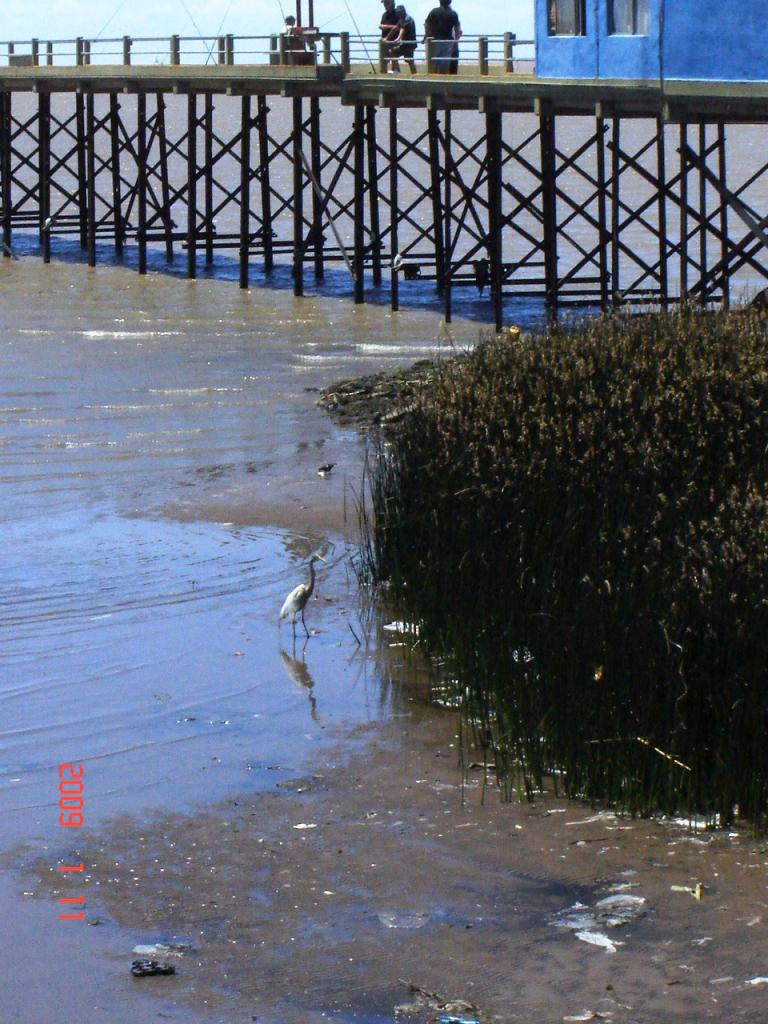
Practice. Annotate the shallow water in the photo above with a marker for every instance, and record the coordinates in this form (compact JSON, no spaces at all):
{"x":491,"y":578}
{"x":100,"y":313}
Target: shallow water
{"x":155,"y":435}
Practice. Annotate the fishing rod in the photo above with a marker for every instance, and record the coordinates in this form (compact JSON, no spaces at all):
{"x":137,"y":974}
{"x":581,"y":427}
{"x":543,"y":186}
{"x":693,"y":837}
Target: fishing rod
{"x":110,"y":19}
{"x":218,"y":30}
{"x":360,"y":35}
{"x":197,"y":29}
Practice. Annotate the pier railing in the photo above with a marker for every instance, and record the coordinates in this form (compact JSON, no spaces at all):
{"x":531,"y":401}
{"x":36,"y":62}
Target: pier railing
{"x":489,"y":53}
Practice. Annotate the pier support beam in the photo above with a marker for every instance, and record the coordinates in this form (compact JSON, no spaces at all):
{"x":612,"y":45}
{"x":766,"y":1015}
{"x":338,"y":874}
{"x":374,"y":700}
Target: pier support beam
{"x":298,"y":199}
{"x":549,"y":205}
{"x":661,"y":177}
{"x":602,"y":214}
{"x":725,"y":279}
{"x":615,"y":210}
{"x":209,"y":226}
{"x":683,"y":173}
{"x":91,"y":178}
{"x":494,"y":246}
{"x":192,"y":184}
{"x":264,"y":181}
{"x":141,"y":179}
{"x":117,"y":198}
{"x":245,"y":188}
{"x":373,"y":193}
{"x":82,"y":180}
{"x":394,"y":206}
{"x":160,"y":134}
{"x":44,"y":172}
{"x":446,"y":226}
{"x":317,"y":173}
{"x":359,"y":203}
{"x":6,"y":197}
{"x":433,"y":128}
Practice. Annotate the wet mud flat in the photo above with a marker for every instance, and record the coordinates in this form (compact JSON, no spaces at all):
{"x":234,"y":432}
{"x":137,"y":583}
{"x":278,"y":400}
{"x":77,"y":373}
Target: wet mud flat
{"x":379,"y":887}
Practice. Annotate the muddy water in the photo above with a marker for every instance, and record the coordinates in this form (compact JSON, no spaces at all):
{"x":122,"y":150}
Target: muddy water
{"x":159,"y":446}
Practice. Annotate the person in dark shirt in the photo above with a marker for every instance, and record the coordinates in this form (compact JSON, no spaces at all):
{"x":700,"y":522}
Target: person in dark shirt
{"x":405,"y":42}
{"x":444,"y":29}
{"x":390,"y":26}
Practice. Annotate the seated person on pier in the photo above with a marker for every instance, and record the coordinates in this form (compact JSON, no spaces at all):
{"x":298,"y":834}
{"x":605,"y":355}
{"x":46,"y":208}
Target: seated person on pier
{"x":296,"y":41}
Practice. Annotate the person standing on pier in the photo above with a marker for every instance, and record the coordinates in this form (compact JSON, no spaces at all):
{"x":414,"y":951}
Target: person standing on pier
{"x":390,"y":27}
{"x":444,"y":29}
{"x":405,"y":41}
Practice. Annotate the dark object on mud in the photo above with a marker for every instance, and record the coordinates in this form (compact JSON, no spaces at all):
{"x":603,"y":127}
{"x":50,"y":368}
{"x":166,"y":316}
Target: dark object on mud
{"x":447,"y":1011}
{"x":325,"y":469}
{"x":381,"y":398}
{"x":147,"y":968}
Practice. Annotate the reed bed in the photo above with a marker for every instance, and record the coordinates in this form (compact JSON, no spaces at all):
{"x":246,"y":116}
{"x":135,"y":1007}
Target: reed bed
{"x":577,"y":521}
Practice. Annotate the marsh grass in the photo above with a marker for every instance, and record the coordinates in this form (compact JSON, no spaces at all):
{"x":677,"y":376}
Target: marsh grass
{"x":577,"y":521}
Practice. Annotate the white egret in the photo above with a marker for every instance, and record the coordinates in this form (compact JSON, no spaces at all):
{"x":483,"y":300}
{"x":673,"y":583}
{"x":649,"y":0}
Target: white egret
{"x":296,"y":601}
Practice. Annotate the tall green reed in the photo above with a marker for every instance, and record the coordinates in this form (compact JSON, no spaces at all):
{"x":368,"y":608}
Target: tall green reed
{"x":577,"y":519}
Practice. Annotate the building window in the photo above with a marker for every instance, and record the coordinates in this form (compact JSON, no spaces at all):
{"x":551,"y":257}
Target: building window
{"x":566,"y":17}
{"x":628,"y":17}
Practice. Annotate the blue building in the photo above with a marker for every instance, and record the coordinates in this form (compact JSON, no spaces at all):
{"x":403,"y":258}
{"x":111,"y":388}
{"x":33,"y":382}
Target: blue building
{"x":652,"y":39}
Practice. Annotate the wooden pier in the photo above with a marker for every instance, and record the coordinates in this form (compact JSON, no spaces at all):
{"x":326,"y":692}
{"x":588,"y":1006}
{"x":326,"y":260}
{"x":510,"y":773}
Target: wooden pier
{"x":585,"y":192}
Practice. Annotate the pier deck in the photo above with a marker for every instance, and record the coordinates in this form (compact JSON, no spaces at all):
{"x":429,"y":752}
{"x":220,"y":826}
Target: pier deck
{"x":469,"y":89}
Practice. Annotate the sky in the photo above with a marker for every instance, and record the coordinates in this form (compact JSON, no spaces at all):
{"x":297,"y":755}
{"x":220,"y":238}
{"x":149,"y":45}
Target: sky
{"x":67,"y":19}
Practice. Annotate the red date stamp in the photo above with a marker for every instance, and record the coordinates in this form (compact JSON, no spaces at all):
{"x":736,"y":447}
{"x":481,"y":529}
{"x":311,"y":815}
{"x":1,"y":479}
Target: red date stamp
{"x":71,"y":786}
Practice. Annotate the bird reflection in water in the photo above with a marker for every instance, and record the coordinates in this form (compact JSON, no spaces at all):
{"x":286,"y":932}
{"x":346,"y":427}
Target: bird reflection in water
{"x":299,"y":674}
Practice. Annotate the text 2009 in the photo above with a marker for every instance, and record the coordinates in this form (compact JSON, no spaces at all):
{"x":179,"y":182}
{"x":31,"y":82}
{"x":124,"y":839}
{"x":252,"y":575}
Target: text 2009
{"x":71,"y":816}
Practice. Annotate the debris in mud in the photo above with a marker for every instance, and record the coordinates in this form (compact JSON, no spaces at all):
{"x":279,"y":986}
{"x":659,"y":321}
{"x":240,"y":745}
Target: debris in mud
{"x":697,"y":891}
{"x":145,"y":968}
{"x":613,"y":911}
{"x":619,"y":909}
{"x":449,"y":1011}
{"x":163,"y":949}
{"x":589,"y":1015}
{"x":408,"y":920}
{"x":598,"y":939}
{"x":401,"y":627}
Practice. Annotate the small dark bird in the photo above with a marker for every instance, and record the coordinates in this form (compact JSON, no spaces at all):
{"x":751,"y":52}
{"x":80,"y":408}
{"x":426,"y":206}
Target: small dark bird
{"x":325,"y":469}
